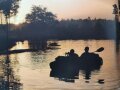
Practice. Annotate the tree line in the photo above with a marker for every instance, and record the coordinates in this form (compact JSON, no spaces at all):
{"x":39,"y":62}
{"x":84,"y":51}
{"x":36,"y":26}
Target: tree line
{"x":43,"y":24}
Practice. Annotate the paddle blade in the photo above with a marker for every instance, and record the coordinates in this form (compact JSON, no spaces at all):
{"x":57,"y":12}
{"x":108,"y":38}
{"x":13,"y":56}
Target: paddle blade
{"x":100,"y":49}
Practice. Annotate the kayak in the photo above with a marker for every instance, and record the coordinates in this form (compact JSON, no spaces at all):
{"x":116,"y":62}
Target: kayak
{"x":68,"y":67}
{"x":64,"y":67}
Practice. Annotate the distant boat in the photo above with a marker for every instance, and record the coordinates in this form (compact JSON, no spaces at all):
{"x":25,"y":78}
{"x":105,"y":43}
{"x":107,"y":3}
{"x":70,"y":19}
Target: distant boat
{"x":54,"y":44}
{"x":101,"y":81}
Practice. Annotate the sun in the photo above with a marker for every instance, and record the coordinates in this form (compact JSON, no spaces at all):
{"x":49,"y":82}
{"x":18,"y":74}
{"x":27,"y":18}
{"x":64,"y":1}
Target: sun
{"x":16,"y":23}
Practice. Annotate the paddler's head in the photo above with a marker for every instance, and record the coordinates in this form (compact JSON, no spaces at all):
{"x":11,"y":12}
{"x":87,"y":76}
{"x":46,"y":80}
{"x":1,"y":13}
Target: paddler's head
{"x":72,"y":51}
{"x":86,"y":49}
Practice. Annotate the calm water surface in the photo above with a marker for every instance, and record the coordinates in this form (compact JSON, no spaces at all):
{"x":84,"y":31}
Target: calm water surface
{"x":32,"y":68}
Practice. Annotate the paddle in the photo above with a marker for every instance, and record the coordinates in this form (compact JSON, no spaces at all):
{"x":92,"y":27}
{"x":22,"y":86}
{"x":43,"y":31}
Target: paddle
{"x":100,"y":49}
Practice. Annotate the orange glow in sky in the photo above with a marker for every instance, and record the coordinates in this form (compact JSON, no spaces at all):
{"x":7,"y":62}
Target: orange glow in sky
{"x":69,"y":8}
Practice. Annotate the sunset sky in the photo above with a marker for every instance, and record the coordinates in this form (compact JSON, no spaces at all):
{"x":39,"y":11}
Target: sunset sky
{"x":65,"y":9}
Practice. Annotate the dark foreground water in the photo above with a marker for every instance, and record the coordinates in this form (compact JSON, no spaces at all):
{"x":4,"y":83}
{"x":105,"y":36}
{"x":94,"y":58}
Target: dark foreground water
{"x":32,"y":69}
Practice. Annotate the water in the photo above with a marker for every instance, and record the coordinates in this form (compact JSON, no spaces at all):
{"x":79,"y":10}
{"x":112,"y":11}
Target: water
{"x":33,"y":71}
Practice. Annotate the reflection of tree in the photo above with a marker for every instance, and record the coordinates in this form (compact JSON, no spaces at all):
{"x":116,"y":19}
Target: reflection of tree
{"x":9,"y":82}
{"x":39,"y":45}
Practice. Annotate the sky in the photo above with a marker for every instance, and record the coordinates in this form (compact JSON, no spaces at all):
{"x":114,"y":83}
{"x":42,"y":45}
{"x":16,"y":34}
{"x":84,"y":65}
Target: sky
{"x":67,"y":9}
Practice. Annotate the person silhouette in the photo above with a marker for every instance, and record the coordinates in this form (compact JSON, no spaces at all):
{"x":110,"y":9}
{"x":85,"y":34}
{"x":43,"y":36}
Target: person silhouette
{"x":90,"y":59}
{"x":86,"y":53}
{"x":85,"y":58}
{"x":72,"y":53}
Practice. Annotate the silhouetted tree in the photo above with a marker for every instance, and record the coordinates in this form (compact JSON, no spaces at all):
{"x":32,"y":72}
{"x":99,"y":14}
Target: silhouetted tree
{"x":40,"y":15}
{"x":9,"y":7}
